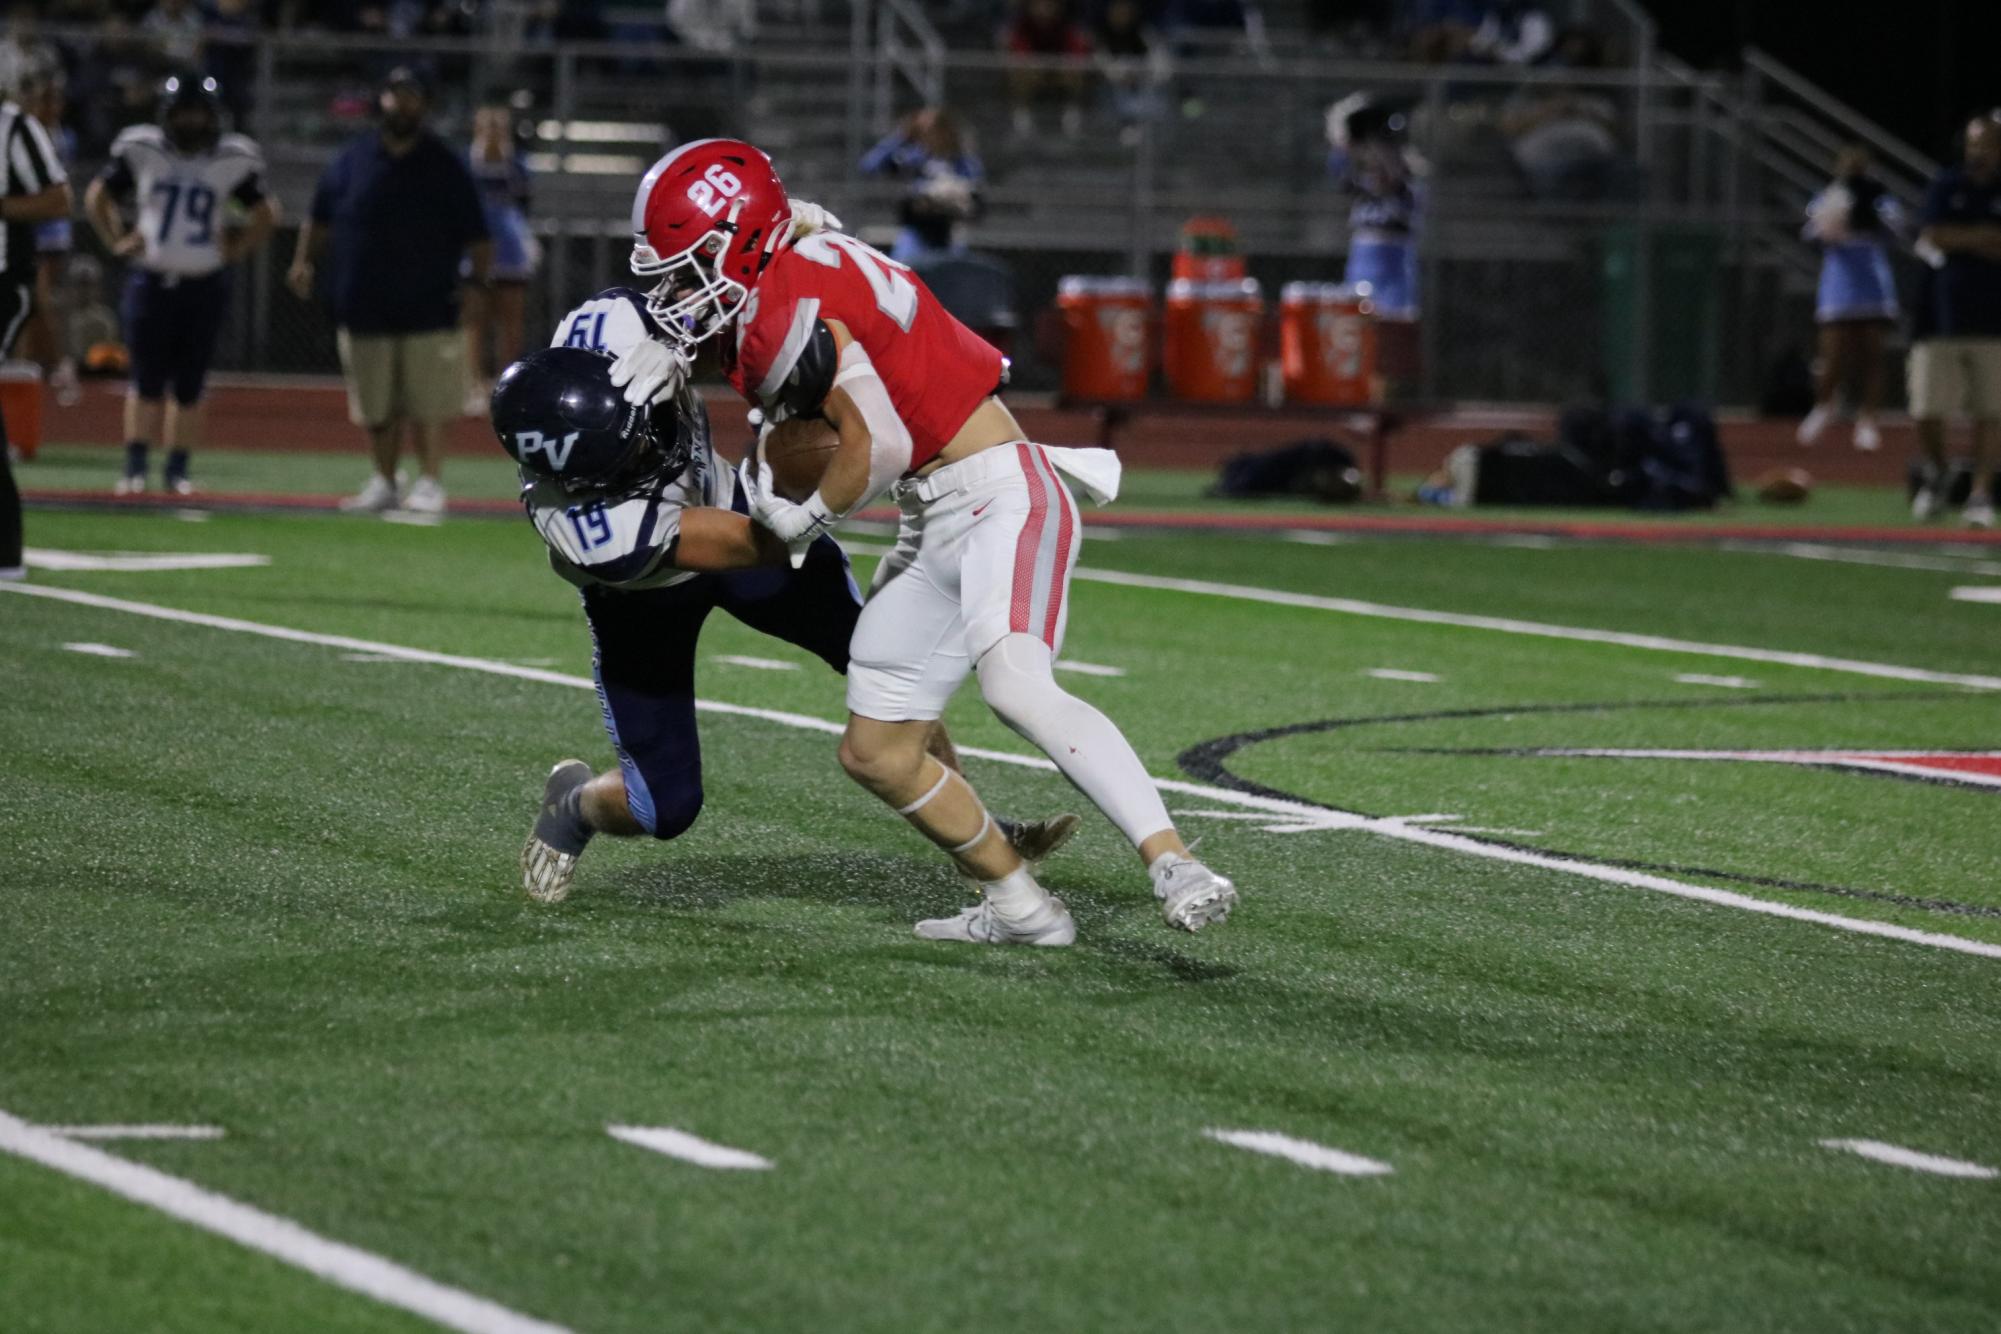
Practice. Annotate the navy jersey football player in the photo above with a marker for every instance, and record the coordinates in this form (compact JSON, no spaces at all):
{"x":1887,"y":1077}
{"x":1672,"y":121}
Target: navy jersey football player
{"x":637,"y":511}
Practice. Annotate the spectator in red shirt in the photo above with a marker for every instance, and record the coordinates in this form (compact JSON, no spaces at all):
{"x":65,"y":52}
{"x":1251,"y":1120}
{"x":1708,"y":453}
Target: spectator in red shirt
{"x":1044,"y":31}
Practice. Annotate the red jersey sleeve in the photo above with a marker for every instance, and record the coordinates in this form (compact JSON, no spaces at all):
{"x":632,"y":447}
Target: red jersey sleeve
{"x":937,"y":371}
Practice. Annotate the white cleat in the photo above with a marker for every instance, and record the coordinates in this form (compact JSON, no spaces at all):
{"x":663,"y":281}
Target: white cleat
{"x":131,"y":484}
{"x":1049,"y":924}
{"x":1867,"y":438}
{"x":1191,"y":895}
{"x":1924,"y":503}
{"x":377,"y":495}
{"x":1979,"y":513}
{"x":1814,"y":424}
{"x":546,"y":871}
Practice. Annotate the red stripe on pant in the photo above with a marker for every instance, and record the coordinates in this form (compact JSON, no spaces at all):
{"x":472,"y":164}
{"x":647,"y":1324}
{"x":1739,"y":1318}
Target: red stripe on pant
{"x":1026,"y":544}
{"x":1066,"y":533}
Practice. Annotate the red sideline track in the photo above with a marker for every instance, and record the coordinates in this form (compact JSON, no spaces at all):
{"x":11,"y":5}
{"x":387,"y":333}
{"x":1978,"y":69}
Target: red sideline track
{"x":1434,"y":525}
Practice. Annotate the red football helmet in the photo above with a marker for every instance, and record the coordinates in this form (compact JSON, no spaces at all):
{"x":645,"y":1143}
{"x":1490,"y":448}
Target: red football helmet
{"x":706,"y":220}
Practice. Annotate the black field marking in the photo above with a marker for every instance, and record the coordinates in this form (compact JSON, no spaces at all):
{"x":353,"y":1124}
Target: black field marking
{"x":1206,"y":761}
{"x":1942,"y":778}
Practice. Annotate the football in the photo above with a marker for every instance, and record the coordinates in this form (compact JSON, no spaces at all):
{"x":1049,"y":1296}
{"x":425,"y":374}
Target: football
{"x":798,"y":452}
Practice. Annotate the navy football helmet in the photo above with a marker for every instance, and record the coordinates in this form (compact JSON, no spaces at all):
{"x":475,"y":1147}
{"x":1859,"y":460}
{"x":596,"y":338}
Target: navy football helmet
{"x":559,"y":416}
{"x":191,"y":112}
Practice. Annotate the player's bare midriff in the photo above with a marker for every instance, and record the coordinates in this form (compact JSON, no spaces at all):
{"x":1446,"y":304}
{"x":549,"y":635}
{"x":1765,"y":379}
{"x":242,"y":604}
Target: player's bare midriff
{"x":991,"y":424}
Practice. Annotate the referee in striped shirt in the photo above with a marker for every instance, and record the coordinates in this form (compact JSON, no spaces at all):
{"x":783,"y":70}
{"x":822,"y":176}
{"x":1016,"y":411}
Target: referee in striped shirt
{"x":33,"y":190}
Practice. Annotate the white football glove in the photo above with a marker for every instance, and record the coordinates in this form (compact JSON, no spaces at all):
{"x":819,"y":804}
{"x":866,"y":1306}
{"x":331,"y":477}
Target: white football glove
{"x":650,"y":372}
{"x":809,"y":218}
{"x":795,"y":525}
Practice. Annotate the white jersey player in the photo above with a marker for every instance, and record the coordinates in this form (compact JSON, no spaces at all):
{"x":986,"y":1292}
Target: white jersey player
{"x":199,"y":204}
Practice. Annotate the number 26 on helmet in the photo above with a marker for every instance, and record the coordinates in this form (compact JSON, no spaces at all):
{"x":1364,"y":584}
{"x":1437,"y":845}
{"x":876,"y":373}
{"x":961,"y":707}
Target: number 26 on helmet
{"x":706,"y":220}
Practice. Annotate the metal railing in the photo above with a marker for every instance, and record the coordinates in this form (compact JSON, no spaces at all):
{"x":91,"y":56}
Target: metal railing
{"x":1516,"y":282}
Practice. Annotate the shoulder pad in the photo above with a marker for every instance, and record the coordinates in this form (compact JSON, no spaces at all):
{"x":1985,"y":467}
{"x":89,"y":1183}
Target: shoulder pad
{"x":139,"y":136}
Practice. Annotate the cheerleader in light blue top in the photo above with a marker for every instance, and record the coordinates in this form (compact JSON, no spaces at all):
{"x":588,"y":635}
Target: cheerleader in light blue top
{"x":1373,"y":163}
{"x":495,"y":315}
{"x":1854,"y":221}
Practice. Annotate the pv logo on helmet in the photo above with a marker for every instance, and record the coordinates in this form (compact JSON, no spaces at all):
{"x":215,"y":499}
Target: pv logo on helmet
{"x":557,"y":451}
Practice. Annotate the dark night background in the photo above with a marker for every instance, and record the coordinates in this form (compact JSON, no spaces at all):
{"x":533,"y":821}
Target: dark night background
{"x":1918,"y":67}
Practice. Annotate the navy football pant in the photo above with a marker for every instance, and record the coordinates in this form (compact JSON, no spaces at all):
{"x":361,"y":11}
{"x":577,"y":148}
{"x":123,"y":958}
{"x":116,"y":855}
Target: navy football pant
{"x":171,"y":326}
{"x":645,"y":665}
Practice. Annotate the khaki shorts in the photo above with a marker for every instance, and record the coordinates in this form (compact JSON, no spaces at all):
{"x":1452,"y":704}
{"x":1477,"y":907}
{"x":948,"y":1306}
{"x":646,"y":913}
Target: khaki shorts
{"x":418,"y":377}
{"x":1948,"y":377}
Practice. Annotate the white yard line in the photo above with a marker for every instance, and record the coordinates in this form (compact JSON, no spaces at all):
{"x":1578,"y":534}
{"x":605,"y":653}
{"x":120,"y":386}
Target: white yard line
{"x":99,"y":650}
{"x":1726,"y":682}
{"x":1911,"y":1158}
{"x":1977,"y":593}
{"x":1300,"y":812}
{"x":339,"y":1264}
{"x":1399,"y":674}
{"x":757,"y":664}
{"x":690,"y":1148}
{"x":1302,"y":1151}
{"x":1890,"y":560}
{"x":135,"y":1132}
{"x":139,"y":562}
{"x":1087,"y":668}
{"x":1506,"y":625}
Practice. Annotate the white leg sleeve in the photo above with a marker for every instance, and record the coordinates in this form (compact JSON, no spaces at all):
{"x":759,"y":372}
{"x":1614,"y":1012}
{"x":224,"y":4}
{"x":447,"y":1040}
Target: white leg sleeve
{"x":1019,"y":683}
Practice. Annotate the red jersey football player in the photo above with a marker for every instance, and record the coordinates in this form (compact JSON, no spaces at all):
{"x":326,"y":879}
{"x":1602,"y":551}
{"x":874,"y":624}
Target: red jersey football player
{"x":814,"y":323}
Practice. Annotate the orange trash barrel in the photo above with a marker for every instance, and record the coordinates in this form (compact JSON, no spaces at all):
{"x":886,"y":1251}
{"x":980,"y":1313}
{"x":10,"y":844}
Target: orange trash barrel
{"x":1326,"y":345}
{"x":1210,"y":349}
{"x":1106,"y":323}
{"x":21,"y":405}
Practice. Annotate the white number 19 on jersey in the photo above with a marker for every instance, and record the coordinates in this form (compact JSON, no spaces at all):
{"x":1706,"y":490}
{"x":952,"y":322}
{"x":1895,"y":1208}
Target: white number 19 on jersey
{"x":895,"y":294}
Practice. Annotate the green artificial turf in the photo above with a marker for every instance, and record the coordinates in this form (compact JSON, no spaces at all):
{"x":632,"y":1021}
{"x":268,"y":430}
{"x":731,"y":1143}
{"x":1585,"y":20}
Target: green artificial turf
{"x":260,"y":885}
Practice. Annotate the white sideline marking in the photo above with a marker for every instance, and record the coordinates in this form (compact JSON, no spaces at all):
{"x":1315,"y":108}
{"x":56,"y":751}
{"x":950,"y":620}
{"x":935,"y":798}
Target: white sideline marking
{"x":1311,"y":537}
{"x":1299,"y":812}
{"x":135,"y":1132}
{"x":1893,"y":560}
{"x":1977,"y":593}
{"x":339,"y":1264}
{"x":1911,"y":1158}
{"x":1398,"y":674}
{"x":1506,"y":625}
{"x":690,"y":1148}
{"x":1525,"y":541}
{"x":412,"y":518}
{"x":1302,"y":1151}
{"x":1087,"y":668}
{"x":1727,"y":682}
{"x":761,"y":664}
{"x":139,"y":562}
{"x":372,"y":657}
{"x":99,"y":650}
{"x":192,"y":516}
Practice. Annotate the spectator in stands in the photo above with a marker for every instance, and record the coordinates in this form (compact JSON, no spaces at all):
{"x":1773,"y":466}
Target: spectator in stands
{"x":930,"y":153}
{"x":1441,"y":31}
{"x":1513,"y":32}
{"x":1134,"y":61}
{"x":1566,"y":140}
{"x":1216,"y":27}
{"x":719,"y":26}
{"x":228,"y":56}
{"x":494,"y":315}
{"x":1958,"y":368}
{"x":175,"y":28}
{"x":1043,"y":31}
{"x":395,"y":214}
{"x":1854,"y":221}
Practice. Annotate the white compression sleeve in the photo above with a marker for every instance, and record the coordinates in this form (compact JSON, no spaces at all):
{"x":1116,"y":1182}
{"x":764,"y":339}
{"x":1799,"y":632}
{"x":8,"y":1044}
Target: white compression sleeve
{"x":1019,"y":683}
{"x":890,"y":444}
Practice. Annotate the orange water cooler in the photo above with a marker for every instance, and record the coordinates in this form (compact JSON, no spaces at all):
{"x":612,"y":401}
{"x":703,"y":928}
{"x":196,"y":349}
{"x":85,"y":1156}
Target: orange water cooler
{"x":1327,"y":345}
{"x":21,"y":405}
{"x":1107,"y":324}
{"x":1207,"y":251}
{"x":1210,"y":347}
